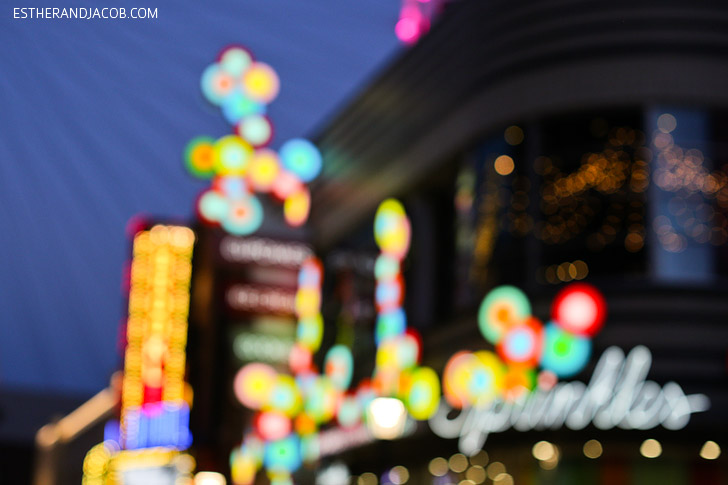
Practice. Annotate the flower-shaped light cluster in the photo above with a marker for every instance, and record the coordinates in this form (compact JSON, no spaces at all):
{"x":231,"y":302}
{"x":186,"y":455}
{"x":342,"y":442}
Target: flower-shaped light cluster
{"x":523,"y":344}
{"x":241,"y":165}
{"x":397,"y":373}
{"x":292,"y":408}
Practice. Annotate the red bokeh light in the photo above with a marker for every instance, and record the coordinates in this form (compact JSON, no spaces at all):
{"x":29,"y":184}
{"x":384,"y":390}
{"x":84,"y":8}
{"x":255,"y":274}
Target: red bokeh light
{"x":579,"y":308}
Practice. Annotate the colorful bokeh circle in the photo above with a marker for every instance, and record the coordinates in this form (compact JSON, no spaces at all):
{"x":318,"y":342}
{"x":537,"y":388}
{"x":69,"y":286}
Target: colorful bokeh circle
{"x":263,"y":170}
{"x":579,"y":308}
{"x":245,"y":216}
{"x":522,"y":343}
{"x":253,"y":384}
{"x":235,"y":60}
{"x":261,"y":83}
{"x":423,"y":394}
{"x":256,"y":129}
{"x":392,"y":229}
{"x":302,"y":158}
{"x":390,"y":324}
{"x":237,"y":106}
{"x":284,"y":454}
{"x":501,"y":309}
{"x":285,"y":395}
{"x":339,"y":366}
{"x":231,"y":155}
{"x":564,"y":353}
{"x":200,"y":157}
{"x":310,"y":331}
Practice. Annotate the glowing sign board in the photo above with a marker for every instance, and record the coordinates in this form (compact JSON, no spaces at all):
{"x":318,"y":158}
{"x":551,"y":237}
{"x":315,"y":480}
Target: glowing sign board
{"x":264,"y":251}
{"x":617,"y":396}
{"x":257,"y":299}
{"x":146,"y":442}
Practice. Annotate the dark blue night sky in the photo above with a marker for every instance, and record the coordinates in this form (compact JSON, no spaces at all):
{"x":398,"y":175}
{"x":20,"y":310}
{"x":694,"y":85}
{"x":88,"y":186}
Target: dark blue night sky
{"x":94,"y":116}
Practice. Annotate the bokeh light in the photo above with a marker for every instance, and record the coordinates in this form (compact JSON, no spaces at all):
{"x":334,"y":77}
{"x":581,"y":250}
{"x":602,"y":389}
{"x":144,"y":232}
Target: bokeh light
{"x":235,"y":60}
{"x":283,"y":454}
{"x":285,"y":396}
{"x":564,"y":353}
{"x":423,"y":397}
{"x":502,"y":308}
{"x":231,"y":155}
{"x":260,"y":82}
{"x":244,"y":217}
{"x":592,"y":449}
{"x":339,"y":366}
{"x":650,"y":448}
{"x":296,"y":207}
{"x":390,"y":324}
{"x":310,"y":331}
{"x":503,"y":165}
{"x":216,"y":84}
{"x":710,"y":450}
{"x":522,"y":343}
{"x":350,"y":411}
{"x":237,"y":106}
{"x":302,"y":158}
{"x":458,"y":463}
{"x":200,"y":157}
{"x":438,"y":466}
{"x":256,"y":129}
{"x":272,"y":425}
{"x":253,"y":384}
{"x":263,"y":169}
{"x":579,"y":308}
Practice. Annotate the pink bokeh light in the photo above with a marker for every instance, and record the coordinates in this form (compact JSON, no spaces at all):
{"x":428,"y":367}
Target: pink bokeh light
{"x":407,"y":29}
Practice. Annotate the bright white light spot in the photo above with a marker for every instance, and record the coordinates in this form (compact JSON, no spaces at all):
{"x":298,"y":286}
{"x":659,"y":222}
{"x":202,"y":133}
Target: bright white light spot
{"x":387,"y":417}
{"x":209,"y":478}
{"x":578,"y":310}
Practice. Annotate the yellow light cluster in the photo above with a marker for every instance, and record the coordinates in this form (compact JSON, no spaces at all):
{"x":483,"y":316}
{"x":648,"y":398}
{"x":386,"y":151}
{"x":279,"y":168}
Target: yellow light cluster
{"x":566,"y":271}
{"x":105,"y":465}
{"x":683,"y":172}
{"x":158,"y":310}
{"x":620,"y":167}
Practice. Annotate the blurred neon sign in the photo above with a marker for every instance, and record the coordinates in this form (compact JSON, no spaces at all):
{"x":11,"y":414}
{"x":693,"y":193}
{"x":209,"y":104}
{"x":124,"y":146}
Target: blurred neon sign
{"x":617,"y":396}
{"x":515,"y":386}
{"x":260,"y":300}
{"x":154,"y":416}
{"x":264,"y":251}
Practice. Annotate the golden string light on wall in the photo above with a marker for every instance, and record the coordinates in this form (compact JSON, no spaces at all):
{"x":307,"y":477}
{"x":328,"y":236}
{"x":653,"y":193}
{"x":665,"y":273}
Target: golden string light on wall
{"x":621,"y":168}
{"x":603,"y":199}
{"x":693,"y":216}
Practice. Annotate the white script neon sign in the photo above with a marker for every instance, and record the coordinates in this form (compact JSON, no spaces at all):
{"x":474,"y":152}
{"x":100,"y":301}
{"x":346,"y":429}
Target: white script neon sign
{"x":617,"y":396}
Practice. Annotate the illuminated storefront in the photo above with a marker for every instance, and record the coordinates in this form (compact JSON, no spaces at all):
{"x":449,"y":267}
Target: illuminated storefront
{"x":537,"y":156}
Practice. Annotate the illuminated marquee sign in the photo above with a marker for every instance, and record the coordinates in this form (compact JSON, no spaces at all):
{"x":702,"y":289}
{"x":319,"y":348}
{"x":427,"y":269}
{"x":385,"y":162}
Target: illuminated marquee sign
{"x":617,"y":396}
{"x":154,"y":424}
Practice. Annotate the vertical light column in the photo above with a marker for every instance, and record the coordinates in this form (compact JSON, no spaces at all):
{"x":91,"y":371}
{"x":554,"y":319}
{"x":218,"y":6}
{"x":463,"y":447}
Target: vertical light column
{"x":154,"y":361}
